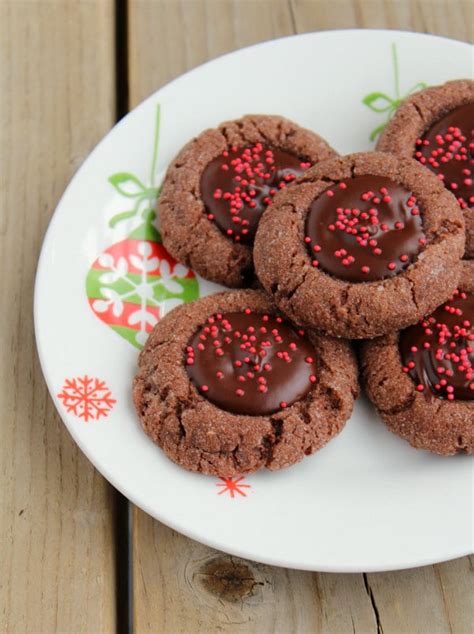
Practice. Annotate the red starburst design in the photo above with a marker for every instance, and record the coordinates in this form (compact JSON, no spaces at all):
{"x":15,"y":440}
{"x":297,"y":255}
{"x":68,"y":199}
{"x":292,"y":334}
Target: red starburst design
{"x":86,"y":397}
{"x":233,"y":487}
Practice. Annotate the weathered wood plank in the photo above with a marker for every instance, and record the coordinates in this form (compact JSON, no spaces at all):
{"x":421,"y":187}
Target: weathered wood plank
{"x":169,"y":37}
{"x":449,"y":18}
{"x":425,"y":600}
{"x":181,"y":586}
{"x":56,"y":525}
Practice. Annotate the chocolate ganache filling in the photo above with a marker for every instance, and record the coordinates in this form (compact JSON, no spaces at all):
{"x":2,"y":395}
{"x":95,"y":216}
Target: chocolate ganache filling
{"x":250,"y":363}
{"x":447,"y":149}
{"x":438,"y":353}
{"x":364,"y":229}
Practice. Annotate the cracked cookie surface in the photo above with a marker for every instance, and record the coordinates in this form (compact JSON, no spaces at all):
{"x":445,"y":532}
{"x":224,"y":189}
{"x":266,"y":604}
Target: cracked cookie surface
{"x":408,"y":134}
{"x":191,"y":231}
{"x":313,"y":298}
{"x":413,"y":411}
{"x":199,"y":435}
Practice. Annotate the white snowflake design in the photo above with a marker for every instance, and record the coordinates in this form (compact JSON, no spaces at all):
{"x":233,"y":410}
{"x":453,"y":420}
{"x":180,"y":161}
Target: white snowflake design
{"x":145,"y":289}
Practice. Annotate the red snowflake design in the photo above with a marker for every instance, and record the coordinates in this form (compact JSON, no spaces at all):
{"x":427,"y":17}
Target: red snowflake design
{"x":233,"y":487}
{"x":87,"y":397}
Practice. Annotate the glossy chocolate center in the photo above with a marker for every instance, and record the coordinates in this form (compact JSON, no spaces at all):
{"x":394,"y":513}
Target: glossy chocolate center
{"x":447,"y":149}
{"x":364,"y":228}
{"x":237,"y":186}
{"x":249,"y":363}
{"x":438,"y":353}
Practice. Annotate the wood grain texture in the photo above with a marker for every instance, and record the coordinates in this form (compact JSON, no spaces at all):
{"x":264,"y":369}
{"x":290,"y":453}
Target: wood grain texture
{"x":433,"y":599}
{"x":186,"y":33}
{"x":179,"y":585}
{"x":449,"y":18}
{"x":56,"y":531}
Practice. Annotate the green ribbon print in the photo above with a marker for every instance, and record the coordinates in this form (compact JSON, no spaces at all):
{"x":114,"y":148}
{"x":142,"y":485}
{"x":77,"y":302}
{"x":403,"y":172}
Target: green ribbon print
{"x":381,"y":103}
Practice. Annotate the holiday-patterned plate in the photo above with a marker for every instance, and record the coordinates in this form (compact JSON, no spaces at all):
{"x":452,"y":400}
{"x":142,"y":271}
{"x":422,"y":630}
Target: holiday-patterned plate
{"x":367,"y":501}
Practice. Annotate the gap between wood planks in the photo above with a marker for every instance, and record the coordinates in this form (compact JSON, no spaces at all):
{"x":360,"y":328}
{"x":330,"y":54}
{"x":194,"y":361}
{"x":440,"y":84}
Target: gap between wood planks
{"x":122,"y":510}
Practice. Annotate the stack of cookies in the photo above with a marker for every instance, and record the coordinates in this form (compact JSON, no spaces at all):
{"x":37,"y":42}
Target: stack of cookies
{"x":323,"y":250}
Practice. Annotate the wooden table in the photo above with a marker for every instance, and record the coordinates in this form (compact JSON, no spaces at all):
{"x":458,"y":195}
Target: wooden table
{"x":68,"y":70}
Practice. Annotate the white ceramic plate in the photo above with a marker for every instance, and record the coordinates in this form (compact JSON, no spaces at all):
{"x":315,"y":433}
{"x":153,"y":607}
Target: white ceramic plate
{"x":367,"y":501}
